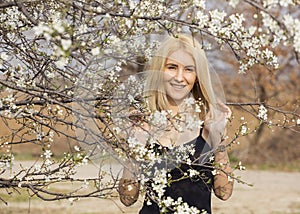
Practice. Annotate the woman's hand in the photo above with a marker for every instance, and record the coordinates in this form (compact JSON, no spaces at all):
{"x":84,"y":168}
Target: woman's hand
{"x":216,"y":128}
{"x":128,"y":191}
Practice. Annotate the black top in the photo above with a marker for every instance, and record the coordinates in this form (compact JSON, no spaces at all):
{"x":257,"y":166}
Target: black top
{"x":195,"y":191}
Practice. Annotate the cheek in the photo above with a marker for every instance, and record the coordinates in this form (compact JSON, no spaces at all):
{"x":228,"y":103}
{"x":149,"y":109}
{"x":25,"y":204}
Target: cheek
{"x":167,"y":76}
{"x":191,"y":78}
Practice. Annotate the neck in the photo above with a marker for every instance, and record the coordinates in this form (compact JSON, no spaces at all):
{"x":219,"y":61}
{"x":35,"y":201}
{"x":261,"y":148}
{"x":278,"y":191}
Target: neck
{"x":174,"y":106}
{"x":177,"y":105}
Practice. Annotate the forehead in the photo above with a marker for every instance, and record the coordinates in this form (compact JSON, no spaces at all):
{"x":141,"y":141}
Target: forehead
{"x":181,"y":57}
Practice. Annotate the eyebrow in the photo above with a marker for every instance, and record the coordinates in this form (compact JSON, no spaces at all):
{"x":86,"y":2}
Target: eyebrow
{"x":190,"y":66}
{"x":173,"y":64}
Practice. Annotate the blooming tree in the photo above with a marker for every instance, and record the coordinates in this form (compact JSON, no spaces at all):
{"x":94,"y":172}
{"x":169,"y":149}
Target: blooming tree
{"x":61,"y":60}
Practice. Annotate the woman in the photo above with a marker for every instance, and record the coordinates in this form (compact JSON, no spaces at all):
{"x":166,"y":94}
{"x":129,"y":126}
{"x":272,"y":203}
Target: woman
{"x":179,"y":72}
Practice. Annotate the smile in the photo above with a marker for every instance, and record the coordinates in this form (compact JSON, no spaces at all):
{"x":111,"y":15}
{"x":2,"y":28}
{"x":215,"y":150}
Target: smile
{"x":177,"y":86}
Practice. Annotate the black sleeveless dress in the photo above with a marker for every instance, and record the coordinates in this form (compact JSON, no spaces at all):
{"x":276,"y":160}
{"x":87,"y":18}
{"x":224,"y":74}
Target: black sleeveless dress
{"x":195,"y":191}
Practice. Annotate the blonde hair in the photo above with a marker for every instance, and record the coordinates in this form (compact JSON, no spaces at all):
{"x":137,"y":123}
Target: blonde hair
{"x":155,"y":92}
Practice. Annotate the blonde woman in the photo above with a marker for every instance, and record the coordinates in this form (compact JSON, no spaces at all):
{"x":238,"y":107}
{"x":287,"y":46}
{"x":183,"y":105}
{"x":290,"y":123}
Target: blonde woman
{"x":178,"y":77}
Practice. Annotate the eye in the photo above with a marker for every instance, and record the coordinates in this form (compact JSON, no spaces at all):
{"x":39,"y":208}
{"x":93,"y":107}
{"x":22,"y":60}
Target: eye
{"x":171,"y":67}
{"x":190,"y":69}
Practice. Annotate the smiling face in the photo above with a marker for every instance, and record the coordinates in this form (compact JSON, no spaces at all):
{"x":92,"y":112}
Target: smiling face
{"x":179,"y":76}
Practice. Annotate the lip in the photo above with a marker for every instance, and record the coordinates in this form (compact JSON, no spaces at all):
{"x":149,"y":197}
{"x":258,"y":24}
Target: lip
{"x":177,"y":86}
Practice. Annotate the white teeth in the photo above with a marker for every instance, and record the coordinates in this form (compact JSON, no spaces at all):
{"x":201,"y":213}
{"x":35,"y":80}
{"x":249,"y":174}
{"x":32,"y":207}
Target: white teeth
{"x":178,"y":86}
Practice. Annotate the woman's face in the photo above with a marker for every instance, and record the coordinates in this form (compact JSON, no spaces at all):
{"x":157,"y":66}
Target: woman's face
{"x":179,"y":76}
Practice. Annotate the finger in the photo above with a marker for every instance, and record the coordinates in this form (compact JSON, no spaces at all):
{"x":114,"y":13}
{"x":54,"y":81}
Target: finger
{"x":208,"y":116}
{"x":229,"y":112}
{"x":224,"y":108}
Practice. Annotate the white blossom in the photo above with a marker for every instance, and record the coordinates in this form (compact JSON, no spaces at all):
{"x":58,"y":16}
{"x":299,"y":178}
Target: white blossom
{"x":200,"y":3}
{"x":269,"y":22}
{"x":242,"y":69}
{"x":189,"y":101}
{"x":85,"y":184}
{"x":59,"y":110}
{"x":95,"y":51}
{"x":62,"y":62}
{"x":4,"y":56}
{"x":51,"y":134}
{"x":193,"y":172}
{"x":262,"y":113}
{"x":197,"y":108}
{"x":217,"y":16}
{"x":270,"y":3}
{"x":85,"y":160}
{"x":133,"y":142}
{"x":233,"y":3}
{"x":66,"y":44}
{"x":168,"y":201}
{"x":244,"y":129}
{"x":118,"y":68}
{"x":47,"y":154}
{"x":202,"y":18}
{"x":77,"y":148}
{"x":39,"y":136}
{"x":193,"y":122}
{"x":240,"y":166}
{"x":82,"y":28}
{"x":50,"y":74}
{"x":159,"y":118}
{"x":160,"y":182}
{"x":37,"y":167}
{"x":58,"y":26}
{"x":131,"y":79}
{"x":296,"y":30}
{"x":72,"y":199}
{"x":132,"y":4}
{"x":47,"y":178}
{"x":285,"y":3}
{"x":214,"y":172}
{"x":237,"y":22}
{"x":48,"y":162}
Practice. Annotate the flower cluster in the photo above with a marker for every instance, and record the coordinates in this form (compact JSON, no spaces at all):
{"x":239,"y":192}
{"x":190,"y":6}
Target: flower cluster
{"x":262,"y":113}
{"x":160,"y":182}
{"x":239,"y":166}
{"x":294,"y":30}
{"x":137,"y":149}
{"x":12,"y":19}
{"x":274,"y":3}
{"x":178,"y":206}
{"x":233,"y":3}
{"x":56,"y":31}
{"x":243,"y":129}
{"x":160,"y":118}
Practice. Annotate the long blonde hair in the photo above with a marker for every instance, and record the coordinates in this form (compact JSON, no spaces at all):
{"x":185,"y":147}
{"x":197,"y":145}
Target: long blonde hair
{"x":154,"y":88}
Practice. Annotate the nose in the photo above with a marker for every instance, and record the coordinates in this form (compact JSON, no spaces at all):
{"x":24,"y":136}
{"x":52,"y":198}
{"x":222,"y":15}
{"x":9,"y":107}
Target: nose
{"x":179,"y":75}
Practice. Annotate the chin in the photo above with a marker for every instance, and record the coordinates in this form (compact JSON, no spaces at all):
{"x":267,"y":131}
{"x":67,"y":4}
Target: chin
{"x":176,"y":96}
{"x":177,"y":99}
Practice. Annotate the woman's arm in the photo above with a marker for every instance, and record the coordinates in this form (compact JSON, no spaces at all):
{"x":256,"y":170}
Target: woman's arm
{"x":214,"y":130}
{"x":223,"y":182}
{"x":129,"y":186}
